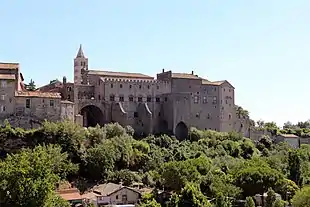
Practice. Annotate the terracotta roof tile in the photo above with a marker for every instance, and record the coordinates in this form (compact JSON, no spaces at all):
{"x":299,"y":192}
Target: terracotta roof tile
{"x":215,"y":83}
{"x":9,"y":65}
{"x":37,"y":94}
{"x":185,"y":76}
{"x":119,"y":74}
{"x":70,"y":194}
{"x":7,"y":76}
{"x":289,"y":135}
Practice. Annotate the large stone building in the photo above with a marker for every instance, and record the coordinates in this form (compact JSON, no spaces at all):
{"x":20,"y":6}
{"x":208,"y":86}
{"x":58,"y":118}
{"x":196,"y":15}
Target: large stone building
{"x":171,"y":103}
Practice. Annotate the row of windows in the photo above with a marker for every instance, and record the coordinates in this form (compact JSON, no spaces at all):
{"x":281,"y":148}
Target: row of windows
{"x":131,"y":98}
{"x":209,"y":116}
{"x":205,"y":100}
{"x":28,"y":103}
{"x":130,"y":86}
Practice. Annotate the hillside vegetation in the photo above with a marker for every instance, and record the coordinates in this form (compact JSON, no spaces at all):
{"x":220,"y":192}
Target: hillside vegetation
{"x":212,"y":168}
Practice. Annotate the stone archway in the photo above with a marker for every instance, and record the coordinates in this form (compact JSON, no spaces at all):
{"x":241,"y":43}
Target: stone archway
{"x":92,"y":115}
{"x":181,"y":131}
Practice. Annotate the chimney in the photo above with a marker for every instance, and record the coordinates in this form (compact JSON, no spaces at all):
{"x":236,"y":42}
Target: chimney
{"x":192,"y":72}
{"x":163,"y":70}
{"x":64,"y":80}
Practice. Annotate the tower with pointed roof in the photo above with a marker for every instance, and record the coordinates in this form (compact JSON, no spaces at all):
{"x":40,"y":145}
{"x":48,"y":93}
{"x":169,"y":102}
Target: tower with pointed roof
{"x":80,"y":63}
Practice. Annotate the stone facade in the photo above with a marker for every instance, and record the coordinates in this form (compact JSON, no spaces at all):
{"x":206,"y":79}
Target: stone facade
{"x":171,"y":103}
{"x":29,"y":109}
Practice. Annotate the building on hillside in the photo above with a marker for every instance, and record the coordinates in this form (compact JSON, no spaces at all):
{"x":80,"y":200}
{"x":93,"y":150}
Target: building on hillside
{"x":115,"y":194}
{"x":171,"y":103}
{"x":28,"y":109}
{"x":291,"y":139}
{"x":72,"y":195}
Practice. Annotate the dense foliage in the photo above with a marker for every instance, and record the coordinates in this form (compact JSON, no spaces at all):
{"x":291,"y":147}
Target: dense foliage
{"x":212,"y":168}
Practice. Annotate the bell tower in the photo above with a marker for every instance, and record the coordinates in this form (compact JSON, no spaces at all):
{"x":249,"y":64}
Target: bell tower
{"x":80,"y":63}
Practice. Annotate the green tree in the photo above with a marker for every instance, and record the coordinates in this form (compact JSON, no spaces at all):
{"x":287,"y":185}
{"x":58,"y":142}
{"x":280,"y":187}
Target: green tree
{"x":28,"y":178}
{"x":249,"y":202}
{"x":302,"y":197}
{"x":148,"y":201}
{"x":192,"y":196}
{"x":222,"y":201}
{"x":279,"y":203}
{"x":271,"y":197}
{"x":31,"y":86}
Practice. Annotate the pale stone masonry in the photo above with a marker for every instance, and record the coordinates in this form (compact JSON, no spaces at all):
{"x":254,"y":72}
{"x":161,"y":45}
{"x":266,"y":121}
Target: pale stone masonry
{"x":171,"y":103}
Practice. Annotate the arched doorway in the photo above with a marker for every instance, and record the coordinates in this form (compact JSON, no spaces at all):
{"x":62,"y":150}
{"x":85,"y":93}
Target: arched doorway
{"x":181,"y":131}
{"x":163,"y":127}
{"x":92,"y":115}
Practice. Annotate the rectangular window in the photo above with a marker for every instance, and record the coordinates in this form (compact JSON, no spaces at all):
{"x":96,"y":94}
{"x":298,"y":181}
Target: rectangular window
{"x":196,"y":99}
{"x":149,"y":99}
{"x":121,"y":85}
{"x":214,"y":100}
{"x":27,"y":103}
{"x":2,"y":109}
{"x":166,"y":99}
{"x":157,"y":99}
{"x":205,"y":100}
{"x":112,"y":98}
{"x":135,"y":114}
{"x":130,"y":98}
{"x":68,"y":97}
{"x":124,"y":198}
{"x":140,"y":99}
{"x":111,"y":85}
{"x":51,"y":103}
{"x":2,"y":97}
{"x":3,"y":84}
{"x":121,"y":98}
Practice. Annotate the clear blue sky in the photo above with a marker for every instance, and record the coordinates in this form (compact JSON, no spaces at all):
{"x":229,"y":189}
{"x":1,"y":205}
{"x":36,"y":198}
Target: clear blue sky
{"x":261,"y":46}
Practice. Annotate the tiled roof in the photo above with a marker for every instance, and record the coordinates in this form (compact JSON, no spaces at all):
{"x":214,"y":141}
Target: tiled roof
{"x":184,"y":76}
{"x":37,"y":94}
{"x":289,"y":135}
{"x":70,"y":194}
{"x":119,"y":74}
{"x":107,"y":188}
{"x":9,"y":65}
{"x":215,"y":83}
{"x":7,"y":76}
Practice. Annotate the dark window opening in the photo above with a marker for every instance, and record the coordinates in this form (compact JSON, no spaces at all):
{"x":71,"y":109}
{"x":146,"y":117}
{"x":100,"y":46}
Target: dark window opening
{"x":140,"y":99}
{"x":111,"y":85}
{"x":112,"y":98}
{"x":135,"y":114}
{"x":121,"y":98}
{"x":149,"y":99}
{"x":51,"y":102}
{"x":157,"y":99}
{"x":121,"y":85}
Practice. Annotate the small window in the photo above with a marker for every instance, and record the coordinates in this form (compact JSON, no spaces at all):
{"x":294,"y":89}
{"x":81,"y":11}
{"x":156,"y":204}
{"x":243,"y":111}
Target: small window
{"x":124,"y":198}
{"x":157,"y":87}
{"x":157,"y":99}
{"x":140,"y":86}
{"x":116,"y":196}
{"x":130,"y":98}
{"x":229,"y":90}
{"x":205,"y":100}
{"x":139,"y":99}
{"x":214,"y":99}
{"x":68,"y":98}
{"x":121,"y":85}
{"x":208,"y":117}
{"x":226,"y":101}
{"x":51,"y":102}
{"x":112,"y":98}
{"x":149,"y":99}
{"x":43,"y":100}
{"x":3,"y":84}
{"x":148,"y":87}
{"x":135,"y":114}
{"x":111,"y":85}
{"x":121,"y":98}
{"x":197,"y":115}
{"x":196,"y":99}
{"x":28,"y":103}
{"x":166,"y":99}
{"x":224,"y":89}
{"x":2,"y":109}
{"x":99,"y":97}
{"x":2,"y":97}
{"x":229,"y":116}
{"x":130,"y":86}
{"x":158,"y":113}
